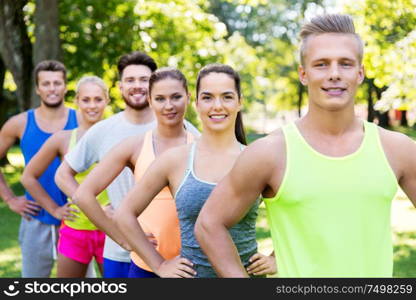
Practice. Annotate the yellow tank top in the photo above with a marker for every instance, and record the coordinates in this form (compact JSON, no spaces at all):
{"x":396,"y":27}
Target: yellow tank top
{"x":82,"y":222}
{"x":331,"y":215}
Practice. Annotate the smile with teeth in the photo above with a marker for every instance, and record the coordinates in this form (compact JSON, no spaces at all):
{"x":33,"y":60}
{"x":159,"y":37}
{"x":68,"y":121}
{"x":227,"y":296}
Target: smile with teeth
{"x":334,"y":91}
{"x":170,"y":115}
{"x":218,"y":117}
{"x":138,"y":95}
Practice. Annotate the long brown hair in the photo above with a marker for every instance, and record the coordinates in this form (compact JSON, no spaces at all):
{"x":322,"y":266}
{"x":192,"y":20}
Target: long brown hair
{"x":221,"y":68}
{"x":167,"y":72}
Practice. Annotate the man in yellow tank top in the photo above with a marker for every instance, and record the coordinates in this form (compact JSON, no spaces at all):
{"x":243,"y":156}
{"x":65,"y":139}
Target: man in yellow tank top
{"x":328,"y":179}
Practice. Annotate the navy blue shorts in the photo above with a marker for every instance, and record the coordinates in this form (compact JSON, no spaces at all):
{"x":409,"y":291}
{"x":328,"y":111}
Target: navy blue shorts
{"x":115,"y":269}
{"x":137,"y":272}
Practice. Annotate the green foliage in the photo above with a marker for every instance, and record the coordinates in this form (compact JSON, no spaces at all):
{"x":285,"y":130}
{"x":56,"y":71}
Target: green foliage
{"x":387,"y":28}
{"x":10,"y":264}
{"x":257,"y":37}
{"x":176,"y":33}
{"x":405,"y":255}
{"x":265,"y":33}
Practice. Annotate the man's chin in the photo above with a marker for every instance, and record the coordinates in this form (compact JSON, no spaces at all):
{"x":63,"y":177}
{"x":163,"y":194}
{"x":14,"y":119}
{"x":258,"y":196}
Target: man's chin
{"x":52,"y":104}
{"x":137,"y":105}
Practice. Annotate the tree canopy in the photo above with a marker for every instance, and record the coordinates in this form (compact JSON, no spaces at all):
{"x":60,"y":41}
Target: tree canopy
{"x":257,"y":37}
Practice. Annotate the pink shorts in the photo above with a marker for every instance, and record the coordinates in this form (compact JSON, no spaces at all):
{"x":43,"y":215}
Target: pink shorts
{"x":81,"y":245}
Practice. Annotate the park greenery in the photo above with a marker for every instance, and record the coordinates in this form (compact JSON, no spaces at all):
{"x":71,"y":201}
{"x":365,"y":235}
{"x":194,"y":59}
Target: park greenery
{"x":257,"y":37}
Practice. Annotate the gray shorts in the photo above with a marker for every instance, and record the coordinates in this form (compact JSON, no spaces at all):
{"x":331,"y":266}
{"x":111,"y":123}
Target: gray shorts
{"x":38,"y":245}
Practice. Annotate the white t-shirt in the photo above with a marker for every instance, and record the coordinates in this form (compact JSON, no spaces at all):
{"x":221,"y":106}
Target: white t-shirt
{"x":93,"y":146}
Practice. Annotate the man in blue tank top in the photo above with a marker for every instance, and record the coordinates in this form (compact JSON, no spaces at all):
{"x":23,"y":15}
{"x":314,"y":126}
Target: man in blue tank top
{"x":38,"y":229}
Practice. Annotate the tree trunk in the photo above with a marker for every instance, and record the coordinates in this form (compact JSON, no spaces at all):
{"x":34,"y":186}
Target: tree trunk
{"x":383,"y":118}
{"x":6,"y":98}
{"x":16,"y":49}
{"x":6,"y":104}
{"x":301,"y":89}
{"x":403,"y":119}
{"x":47,"y":44}
{"x":370,"y":102}
{"x":265,"y":116}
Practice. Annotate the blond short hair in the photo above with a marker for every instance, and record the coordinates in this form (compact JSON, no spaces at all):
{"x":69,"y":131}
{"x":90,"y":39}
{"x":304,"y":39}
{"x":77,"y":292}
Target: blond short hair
{"x":329,"y":23}
{"x":94,"y":80}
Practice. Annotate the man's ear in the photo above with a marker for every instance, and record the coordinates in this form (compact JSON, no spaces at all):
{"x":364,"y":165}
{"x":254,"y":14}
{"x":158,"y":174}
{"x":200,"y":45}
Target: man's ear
{"x":302,"y":75}
{"x":361,"y":74}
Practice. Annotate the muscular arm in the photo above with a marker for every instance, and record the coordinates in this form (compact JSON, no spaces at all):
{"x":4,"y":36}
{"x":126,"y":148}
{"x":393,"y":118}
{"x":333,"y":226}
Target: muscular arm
{"x":78,"y":159}
{"x":65,"y":179}
{"x":52,"y":148}
{"x":407,"y":181}
{"x":98,"y":179}
{"x":11,"y":131}
{"x":400,"y":151}
{"x":228,"y":204}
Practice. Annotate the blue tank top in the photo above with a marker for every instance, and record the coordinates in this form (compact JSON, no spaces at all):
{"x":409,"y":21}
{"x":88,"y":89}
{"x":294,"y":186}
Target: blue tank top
{"x":32,"y":140}
{"x":190,"y":197}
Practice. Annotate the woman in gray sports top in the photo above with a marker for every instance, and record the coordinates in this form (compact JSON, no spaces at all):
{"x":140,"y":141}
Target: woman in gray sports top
{"x":190,"y":197}
{"x":191,"y":172}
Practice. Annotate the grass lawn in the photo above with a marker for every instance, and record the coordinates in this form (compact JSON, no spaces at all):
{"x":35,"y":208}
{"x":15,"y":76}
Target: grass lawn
{"x":10,"y":261}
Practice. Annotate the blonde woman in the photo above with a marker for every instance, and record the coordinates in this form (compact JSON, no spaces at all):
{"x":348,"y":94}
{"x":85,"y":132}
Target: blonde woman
{"x":79,"y":239}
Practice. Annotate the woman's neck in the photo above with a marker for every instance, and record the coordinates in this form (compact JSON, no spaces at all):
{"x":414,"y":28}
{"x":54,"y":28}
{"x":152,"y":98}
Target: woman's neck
{"x":219,"y":141}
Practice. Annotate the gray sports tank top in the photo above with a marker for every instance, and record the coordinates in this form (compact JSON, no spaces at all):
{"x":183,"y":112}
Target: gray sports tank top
{"x":190,"y":197}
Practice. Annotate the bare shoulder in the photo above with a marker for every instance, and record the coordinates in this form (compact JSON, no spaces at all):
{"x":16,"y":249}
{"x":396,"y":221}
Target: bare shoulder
{"x":15,"y":125}
{"x":173,"y":164}
{"x":133,"y":146}
{"x":267,"y":150}
{"x":400,"y":151}
{"x":19,"y":118}
{"x":130,"y":144}
{"x":62,"y":135}
{"x":396,"y":142}
{"x":125,"y":149}
{"x":132,"y":141}
{"x":60,"y":141}
{"x":176,"y":157}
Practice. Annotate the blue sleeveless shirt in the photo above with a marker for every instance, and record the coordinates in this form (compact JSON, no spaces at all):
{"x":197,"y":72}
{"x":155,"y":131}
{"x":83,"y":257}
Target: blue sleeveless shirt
{"x":190,"y":197}
{"x":32,"y":140}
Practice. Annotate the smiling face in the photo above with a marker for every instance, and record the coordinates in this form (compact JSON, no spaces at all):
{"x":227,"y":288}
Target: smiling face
{"x":51,"y":88}
{"x":91,"y":100}
{"x":134,"y":86}
{"x":168,"y":100}
{"x":218,"y":102}
{"x":332,"y":70}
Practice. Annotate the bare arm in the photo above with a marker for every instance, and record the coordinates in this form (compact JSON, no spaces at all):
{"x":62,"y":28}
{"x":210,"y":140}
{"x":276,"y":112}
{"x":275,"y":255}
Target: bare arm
{"x":400,"y":151}
{"x":154,"y":180}
{"x":52,"y":148}
{"x":407,"y":181}
{"x":79,"y":159}
{"x":65,"y":179}
{"x":230,"y":201}
{"x":11,"y":131}
{"x":98,"y":179}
